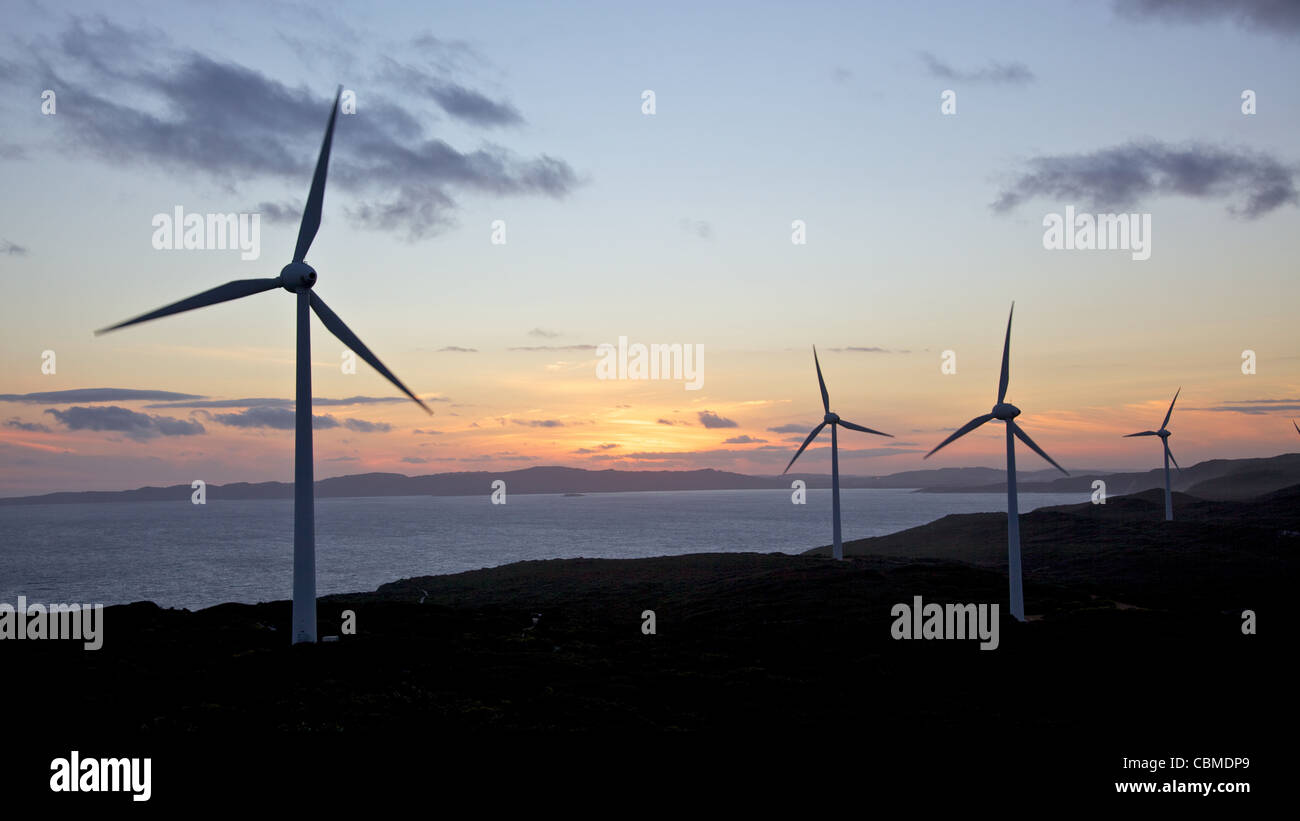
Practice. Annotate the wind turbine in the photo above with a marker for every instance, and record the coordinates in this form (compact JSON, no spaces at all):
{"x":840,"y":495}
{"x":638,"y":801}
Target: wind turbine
{"x":1007,"y":413}
{"x":298,"y":278}
{"x":834,"y":421}
{"x":1169,"y":456}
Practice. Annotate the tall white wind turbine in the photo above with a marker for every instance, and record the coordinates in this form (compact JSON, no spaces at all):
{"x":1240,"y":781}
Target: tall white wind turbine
{"x":1007,"y":413}
{"x":834,"y":421}
{"x":1164,"y":435}
{"x":298,"y":278}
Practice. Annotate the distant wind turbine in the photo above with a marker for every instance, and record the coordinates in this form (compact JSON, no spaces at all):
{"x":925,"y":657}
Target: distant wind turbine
{"x":1007,"y":413}
{"x":834,"y":421}
{"x":297,"y":277}
{"x":1169,"y":456}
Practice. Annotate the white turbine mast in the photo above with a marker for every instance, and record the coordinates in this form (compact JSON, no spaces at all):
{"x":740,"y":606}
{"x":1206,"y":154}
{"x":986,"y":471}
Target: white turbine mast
{"x":1007,"y":413}
{"x":834,"y":421}
{"x":298,"y":278}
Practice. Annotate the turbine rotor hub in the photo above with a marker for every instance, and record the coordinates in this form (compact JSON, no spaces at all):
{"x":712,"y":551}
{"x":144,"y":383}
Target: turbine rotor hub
{"x":1163,"y":434}
{"x":297,"y":276}
{"x":831,"y":418}
{"x":1005,"y":411}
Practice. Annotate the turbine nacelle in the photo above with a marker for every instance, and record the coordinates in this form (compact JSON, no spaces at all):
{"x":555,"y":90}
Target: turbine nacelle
{"x":831,"y":418}
{"x":297,"y":276}
{"x":1005,"y":411}
{"x":1164,"y":434}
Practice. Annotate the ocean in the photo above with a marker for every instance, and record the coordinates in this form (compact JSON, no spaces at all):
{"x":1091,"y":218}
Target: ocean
{"x":177,"y":554}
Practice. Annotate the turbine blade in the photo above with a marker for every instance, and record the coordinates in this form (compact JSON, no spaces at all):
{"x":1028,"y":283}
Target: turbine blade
{"x":344,"y":333}
{"x":826,"y":397}
{"x":852,"y":426}
{"x":962,"y":431}
{"x":1024,"y":437}
{"x":1297,"y":427}
{"x":805,"y":444}
{"x":1006,"y":358}
{"x":1169,"y":412}
{"x":221,"y":293}
{"x":1171,"y":456}
{"x":1143,"y":433}
{"x":316,"y":197}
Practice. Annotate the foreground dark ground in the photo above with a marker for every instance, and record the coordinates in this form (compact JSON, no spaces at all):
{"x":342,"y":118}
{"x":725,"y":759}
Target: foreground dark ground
{"x":1134,"y":648}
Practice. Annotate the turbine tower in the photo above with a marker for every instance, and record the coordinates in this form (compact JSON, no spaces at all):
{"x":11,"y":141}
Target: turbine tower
{"x":1169,"y":456}
{"x":298,"y":278}
{"x":834,"y":421}
{"x":1007,"y":413}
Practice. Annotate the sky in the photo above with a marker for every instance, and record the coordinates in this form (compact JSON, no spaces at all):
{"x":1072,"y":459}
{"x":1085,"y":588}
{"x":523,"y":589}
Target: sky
{"x":920,"y":229}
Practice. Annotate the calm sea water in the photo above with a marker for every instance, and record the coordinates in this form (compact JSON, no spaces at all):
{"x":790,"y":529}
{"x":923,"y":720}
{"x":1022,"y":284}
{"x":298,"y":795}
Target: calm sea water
{"x":183,"y":555}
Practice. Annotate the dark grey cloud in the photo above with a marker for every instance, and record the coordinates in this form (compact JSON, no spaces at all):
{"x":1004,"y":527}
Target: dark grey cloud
{"x":462,"y":103}
{"x":709,"y":419}
{"x":669,"y":422}
{"x":993,"y":72}
{"x":279,"y":212}
{"x":428,"y":432}
{"x":267,"y":402}
{"x":599,"y":448}
{"x":274,"y":418}
{"x":12,"y":249}
{"x":1277,"y":16}
{"x":363,"y":426}
{"x":94,"y":395}
{"x":1113,"y":179}
{"x":141,"y":100}
{"x":30,"y":427}
{"x":415,"y":460}
{"x":539,"y":423}
{"x":138,"y":426}
{"x":791,"y":428}
{"x":1255,"y":407}
{"x":743,"y":439}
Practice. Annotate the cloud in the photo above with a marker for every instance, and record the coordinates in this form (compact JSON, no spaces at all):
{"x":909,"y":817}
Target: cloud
{"x":144,"y":101}
{"x":793,"y":427}
{"x":462,"y":103}
{"x":709,"y":419}
{"x":697,"y":228}
{"x":457,"y":349}
{"x":30,"y":427}
{"x":539,"y":423}
{"x":840,"y":74}
{"x":274,"y":418}
{"x":1118,"y":177}
{"x":599,"y":448}
{"x":553,"y":348}
{"x":545,"y":334}
{"x":92,"y":395}
{"x":865,"y":349}
{"x":1254,"y":407}
{"x":362,"y":426}
{"x":265,"y":402}
{"x":12,"y":249}
{"x":1277,"y":16}
{"x":428,"y":432}
{"x":743,"y":439}
{"x":415,"y":460}
{"x":138,"y":426}
{"x":279,"y":213}
{"x":669,"y":422}
{"x":998,"y":73}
